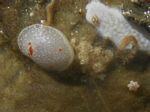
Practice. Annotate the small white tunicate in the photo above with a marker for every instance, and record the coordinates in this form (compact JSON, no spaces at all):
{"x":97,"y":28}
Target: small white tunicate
{"x":133,"y":86}
{"x":46,"y":46}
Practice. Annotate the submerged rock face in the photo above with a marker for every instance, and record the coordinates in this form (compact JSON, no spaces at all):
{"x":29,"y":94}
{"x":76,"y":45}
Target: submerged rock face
{"x":138,"y":11}
{"x":46,"y":46}
{"x":24,"y":87}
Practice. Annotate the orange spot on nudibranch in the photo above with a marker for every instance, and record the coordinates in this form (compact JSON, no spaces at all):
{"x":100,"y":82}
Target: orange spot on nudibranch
{"x":60,"y":49}
{"x":30,"y":49}
{"x":29,"y":43}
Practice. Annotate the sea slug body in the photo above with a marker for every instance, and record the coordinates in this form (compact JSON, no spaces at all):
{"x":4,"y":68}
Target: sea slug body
{"x":113,"y":25}
{"x":46,"y":46}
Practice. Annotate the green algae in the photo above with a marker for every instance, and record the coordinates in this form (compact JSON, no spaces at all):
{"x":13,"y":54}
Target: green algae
{"x":25,"y":87}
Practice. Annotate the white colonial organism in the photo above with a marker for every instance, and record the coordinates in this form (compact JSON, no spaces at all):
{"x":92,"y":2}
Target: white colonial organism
{"x":111,"y":24}
{"x":133,"y":86}
{"x":46,"y":46}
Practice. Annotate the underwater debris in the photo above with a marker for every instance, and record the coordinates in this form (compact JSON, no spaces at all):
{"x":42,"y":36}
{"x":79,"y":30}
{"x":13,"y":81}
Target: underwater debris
{"x":50,"y":11}
{"x":1,"y":32}
{"x":38,"y":42}
{"x":49,"y":48}
{"x":134,"y":1}
{"x":133,"y":86}
{"x":129,"y":42}
{"x":31,"y":14}
{"x":115,"y":26}
{"x":138,"y":11}
{"x":93,"y":59}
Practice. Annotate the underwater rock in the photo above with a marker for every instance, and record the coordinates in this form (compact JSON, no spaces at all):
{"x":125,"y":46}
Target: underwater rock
{"x":114,"y":26}
{"x":138,"y":11}
{"x":46,"y":46}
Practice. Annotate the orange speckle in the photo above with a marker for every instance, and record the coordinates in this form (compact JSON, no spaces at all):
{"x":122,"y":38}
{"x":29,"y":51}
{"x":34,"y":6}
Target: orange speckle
{"x":30,"y":49}
{"x":60,"y":49}
{"x":29,"y":43}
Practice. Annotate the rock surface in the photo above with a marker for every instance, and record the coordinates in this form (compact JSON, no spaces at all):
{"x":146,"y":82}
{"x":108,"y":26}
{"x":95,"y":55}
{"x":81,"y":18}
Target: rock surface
{"x":26,"y":87}
{"x":139,"y":12}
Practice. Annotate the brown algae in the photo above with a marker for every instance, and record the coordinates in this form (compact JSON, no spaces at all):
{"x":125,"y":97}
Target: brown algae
{"x":26,"y":87}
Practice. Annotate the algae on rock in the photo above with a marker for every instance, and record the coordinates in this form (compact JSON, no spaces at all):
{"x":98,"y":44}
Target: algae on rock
{"x":25,"y":87}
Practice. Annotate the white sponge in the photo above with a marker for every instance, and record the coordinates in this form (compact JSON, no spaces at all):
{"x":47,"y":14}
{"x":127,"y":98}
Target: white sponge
{"x":113,"y":25}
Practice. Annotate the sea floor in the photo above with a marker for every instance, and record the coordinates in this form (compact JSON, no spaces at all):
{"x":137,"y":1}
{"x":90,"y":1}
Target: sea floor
{"x":26,"y":87}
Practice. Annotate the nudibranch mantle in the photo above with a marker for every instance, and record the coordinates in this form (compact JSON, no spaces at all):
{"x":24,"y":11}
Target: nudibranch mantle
{"x":46,"y":46}
{"x":112,"y":24}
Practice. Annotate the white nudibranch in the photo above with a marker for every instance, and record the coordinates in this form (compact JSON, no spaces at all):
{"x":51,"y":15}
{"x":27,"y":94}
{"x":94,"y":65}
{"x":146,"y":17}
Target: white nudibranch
{"x":112,"y":24}
{"x":46,"y":46}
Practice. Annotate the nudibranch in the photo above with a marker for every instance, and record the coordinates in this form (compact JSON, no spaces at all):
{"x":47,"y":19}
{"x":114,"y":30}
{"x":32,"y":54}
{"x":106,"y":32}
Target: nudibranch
{"x":46,"y":45}
{"x":111,"y":23}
